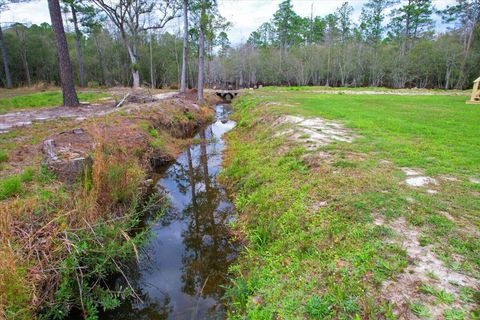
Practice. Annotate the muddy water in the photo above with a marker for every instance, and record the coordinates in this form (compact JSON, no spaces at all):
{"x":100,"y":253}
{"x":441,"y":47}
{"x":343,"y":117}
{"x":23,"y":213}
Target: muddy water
{"x":183,"y":266}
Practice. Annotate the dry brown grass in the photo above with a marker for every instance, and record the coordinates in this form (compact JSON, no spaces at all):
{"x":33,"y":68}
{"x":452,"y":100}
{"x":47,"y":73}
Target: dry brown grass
{"x":32,"y":225}
{"x":32,"y":246}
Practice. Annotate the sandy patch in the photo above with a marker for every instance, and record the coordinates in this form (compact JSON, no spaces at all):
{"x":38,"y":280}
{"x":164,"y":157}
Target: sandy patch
{"x":449,"y":178}
{"x":415,"y":178}
{"x":411,"y":172}
{"x":474,"y":180}
{"x":420,"y":181}
{"x":424,"y":268}
{"x":313,"y":132}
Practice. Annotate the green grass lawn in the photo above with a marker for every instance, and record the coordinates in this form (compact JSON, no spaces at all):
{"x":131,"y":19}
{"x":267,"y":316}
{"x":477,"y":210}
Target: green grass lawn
{"x":43,"y":99}
{"x":383,"y":89}
{"x":313,"y":249}
{"x":438,"y":133}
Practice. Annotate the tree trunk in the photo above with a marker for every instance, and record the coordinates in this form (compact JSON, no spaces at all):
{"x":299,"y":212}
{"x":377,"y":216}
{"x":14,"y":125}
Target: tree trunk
{"x":201,"y":64}
{"x":78,"y":46}
{"x":240,"y":75}
{"x":183,"y":82}
{"x":70,"y":98}
{"x":407,"y":32}
{"x":132,"y":52}
{"x":152,"y":77}
{"x":25,"y":67}
{"x":8,"y":75}
{"x":23,"y":54}
{"x":467,"y":44}
{"x":100,"y":60}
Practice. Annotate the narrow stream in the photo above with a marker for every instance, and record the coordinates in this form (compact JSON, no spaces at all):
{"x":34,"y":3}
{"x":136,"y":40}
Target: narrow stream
{"x":184,"y":264}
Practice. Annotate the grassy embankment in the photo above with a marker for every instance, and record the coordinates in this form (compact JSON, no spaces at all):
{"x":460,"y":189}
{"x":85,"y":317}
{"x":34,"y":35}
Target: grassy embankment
{"x":324,"y":228}
{"x":59,"y":242}
{"x":43,"y":99}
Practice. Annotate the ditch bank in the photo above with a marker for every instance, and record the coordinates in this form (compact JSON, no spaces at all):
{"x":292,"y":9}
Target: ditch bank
{"x":183,"y":267}
{"x":69,"y":220}
{"x":303,"y":216}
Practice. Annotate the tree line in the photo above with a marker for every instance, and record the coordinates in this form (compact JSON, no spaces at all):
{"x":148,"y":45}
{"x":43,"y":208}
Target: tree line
{"x":393,"y":44}
{"x":119,"y":43}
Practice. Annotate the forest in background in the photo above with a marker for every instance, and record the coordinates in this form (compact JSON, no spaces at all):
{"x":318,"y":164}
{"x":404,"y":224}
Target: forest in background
{"x":393,"y":44}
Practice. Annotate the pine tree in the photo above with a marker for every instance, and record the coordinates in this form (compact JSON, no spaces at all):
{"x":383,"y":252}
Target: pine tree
{"x":70,"y":98}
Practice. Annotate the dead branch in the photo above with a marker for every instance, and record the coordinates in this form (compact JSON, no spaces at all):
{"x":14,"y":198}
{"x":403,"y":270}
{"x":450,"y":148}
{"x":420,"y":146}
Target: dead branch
{"x":122,"y":101}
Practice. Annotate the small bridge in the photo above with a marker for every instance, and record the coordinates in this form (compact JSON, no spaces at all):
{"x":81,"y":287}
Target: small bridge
{"x":227,"y":95}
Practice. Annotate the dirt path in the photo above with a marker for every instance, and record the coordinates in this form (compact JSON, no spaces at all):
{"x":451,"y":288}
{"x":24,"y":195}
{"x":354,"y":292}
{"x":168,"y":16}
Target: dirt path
{"x":25,"y":118}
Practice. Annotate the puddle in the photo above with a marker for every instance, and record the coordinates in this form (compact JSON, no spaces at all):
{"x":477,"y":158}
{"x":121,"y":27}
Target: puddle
{"x":184,"y":265}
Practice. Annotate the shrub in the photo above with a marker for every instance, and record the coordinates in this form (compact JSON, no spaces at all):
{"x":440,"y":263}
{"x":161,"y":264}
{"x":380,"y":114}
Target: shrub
{"x":90,"y":265}
{"x":93,"y":84}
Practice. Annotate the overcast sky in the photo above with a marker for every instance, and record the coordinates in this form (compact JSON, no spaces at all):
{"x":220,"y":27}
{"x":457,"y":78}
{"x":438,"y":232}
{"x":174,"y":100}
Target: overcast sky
{"x":245,"y":15}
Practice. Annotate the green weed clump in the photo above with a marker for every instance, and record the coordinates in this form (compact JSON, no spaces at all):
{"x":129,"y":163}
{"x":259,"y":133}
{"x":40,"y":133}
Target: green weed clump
{"x":10,"y":186}
{"x":454,"y":314}
{"x":153,"y":132}
{"x":13,"y":185}
{"x":419,"y":309}
{"x":441,"y":295}
{"x":3,"y":156}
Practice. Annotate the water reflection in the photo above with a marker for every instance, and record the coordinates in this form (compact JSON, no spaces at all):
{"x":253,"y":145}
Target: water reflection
{"x":183,"y":266}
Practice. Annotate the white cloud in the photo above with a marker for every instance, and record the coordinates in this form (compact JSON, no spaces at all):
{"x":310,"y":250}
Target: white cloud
{"x":27,"y":12}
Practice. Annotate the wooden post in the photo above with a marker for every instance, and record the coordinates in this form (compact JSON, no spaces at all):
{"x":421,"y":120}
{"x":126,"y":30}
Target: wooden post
{"x":475,"y":98}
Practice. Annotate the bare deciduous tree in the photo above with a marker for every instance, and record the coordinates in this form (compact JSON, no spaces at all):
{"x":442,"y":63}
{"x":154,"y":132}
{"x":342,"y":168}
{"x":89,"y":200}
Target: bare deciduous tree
{"x":131,"y":17}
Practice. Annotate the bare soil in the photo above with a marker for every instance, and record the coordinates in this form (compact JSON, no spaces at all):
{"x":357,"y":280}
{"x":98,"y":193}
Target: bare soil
{"x":85,"y":111}
{"x":313,"y":133}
